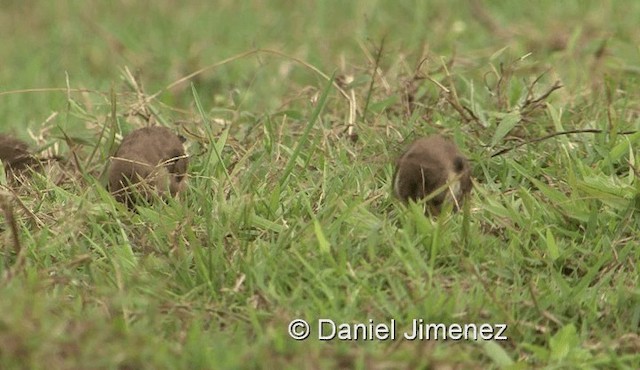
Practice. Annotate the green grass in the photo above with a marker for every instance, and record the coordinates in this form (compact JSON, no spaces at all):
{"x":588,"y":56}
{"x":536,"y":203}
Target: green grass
{"x":288,"y":217}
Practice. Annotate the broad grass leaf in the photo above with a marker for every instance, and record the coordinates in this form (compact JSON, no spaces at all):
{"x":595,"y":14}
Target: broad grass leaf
{"x":608,"y":190}
{"x":497,"y":354}
{"x":265,"y":224}
{"x":563,"y":341}
{"x":565,"y":345}
{"x":616,"y":153}
{"x":552,"y":246}
{"x":508,"y":122}
{"x":323,"y":243}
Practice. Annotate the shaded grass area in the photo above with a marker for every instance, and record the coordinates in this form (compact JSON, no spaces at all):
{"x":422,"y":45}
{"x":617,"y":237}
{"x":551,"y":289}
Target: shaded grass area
{"x":286,"y":216}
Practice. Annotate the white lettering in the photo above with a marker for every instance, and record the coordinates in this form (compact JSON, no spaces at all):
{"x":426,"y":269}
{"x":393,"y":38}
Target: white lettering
{"x":321,"y":332}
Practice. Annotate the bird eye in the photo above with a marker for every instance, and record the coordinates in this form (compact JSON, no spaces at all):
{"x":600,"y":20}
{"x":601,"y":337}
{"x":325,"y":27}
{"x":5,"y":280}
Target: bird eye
{"x":458,"y":164}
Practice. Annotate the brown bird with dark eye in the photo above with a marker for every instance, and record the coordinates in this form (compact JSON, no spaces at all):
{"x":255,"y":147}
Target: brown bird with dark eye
{"x":429,"y":164}
{"x":150,"y":161}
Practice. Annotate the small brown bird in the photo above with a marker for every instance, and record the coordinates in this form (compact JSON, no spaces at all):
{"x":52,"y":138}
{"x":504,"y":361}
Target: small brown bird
{"x":149,"y":161}
{"x":15,"y":155}
{"x":429,"y":164}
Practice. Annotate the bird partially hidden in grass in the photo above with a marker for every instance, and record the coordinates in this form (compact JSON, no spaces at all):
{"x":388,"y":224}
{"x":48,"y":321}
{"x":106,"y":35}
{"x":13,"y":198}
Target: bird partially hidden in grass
{"x":16,"y":157}
{"x":150,"y":162}
{"x":432,"y":168}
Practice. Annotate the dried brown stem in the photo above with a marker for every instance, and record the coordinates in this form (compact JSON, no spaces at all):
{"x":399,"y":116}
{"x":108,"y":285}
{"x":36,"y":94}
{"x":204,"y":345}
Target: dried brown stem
{"x":569,"y":132}
{"x":533,"y":103}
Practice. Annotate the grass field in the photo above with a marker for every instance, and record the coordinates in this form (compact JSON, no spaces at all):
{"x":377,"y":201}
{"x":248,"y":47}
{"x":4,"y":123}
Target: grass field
{"x":295,"y":113}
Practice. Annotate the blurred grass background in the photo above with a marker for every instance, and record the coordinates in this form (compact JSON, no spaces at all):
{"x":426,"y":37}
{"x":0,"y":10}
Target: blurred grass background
{"x":165,"y":40}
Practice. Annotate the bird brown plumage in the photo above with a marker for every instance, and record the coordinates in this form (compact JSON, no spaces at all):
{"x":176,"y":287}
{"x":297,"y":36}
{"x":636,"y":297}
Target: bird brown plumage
{"x":15,"y":156}
{"x":428,"y":164}
{"x":150,"y":161}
